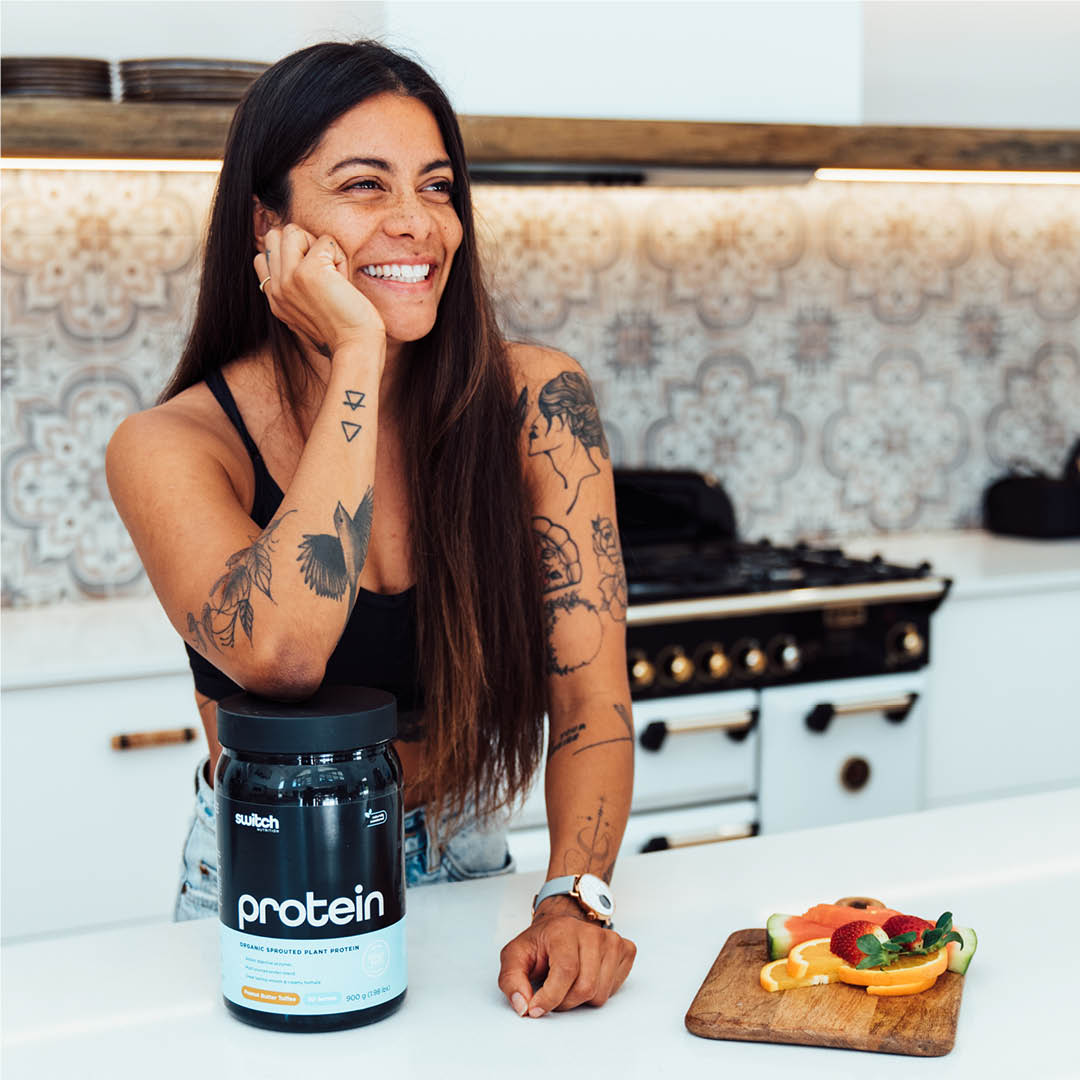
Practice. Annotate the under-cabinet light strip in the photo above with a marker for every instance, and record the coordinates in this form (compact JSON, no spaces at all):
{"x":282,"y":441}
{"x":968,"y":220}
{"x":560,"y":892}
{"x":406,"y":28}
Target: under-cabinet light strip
{"x":893,"y":176}
{"x":946,"y":176}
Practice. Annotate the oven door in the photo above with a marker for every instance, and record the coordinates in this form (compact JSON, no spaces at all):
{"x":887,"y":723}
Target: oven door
{"x":842,"y":750}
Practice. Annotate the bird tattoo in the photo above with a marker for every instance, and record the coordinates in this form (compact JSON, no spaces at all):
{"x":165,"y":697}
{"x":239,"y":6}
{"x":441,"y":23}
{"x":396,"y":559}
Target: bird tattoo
{"x":333,"y":563}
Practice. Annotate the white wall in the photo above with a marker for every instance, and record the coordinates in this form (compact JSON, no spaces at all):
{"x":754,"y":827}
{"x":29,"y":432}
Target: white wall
{"x":991,"y":63}
{"x":750,"y":60}
{"x":977,"y":62}
{"x":223,"y":29}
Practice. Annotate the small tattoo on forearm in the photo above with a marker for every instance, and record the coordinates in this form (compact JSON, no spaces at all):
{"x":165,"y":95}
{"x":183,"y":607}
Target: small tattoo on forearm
{"x":332,"y":564}
{"x":216,"y":625}
{"x":351,"y":430}
{"x":593,"y":854}
{"x":354,"y":399}
{"x":603,"y":742}
{"x":571,"y":734}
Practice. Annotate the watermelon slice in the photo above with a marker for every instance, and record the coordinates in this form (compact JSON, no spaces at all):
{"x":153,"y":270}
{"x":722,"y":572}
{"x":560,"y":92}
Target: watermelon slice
{"x":787,"y":931}
{"x":837,"y":915}
{"x":960,"y":953}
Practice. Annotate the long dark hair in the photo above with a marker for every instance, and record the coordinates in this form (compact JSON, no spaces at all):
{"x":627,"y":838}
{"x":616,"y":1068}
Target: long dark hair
{"x":480,"y":645}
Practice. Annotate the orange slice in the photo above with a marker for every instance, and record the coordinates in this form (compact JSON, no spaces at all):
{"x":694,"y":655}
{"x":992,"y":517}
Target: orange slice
{"x":813,"y":957}
{"x":907,"y":969}
{"x":774,"y":976}
{"x":900,"y":989}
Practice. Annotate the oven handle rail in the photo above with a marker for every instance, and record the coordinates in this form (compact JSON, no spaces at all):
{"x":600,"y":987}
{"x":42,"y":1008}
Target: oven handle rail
{"x":896,"y":710}
{"x":787,"y":600}
{"x":736,"y":725}
{"x":666,"y":843}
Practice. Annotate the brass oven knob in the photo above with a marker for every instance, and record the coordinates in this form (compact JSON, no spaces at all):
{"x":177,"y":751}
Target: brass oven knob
{"x":642,"y":672}
{"x":752,"y":659}
{"x":911,"y":642}
{"x":906,"y":642}
{"x":785,"y":654}
{"x":715,"y":663}
{"x":679,"y":667}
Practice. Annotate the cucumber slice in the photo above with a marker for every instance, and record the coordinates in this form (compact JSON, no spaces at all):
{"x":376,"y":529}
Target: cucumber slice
{"x":779,"y":935}
{"x":960,"y":953}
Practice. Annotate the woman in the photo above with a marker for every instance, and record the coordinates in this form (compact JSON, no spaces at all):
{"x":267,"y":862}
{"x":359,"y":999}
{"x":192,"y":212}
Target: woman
{"x":338,"y":487}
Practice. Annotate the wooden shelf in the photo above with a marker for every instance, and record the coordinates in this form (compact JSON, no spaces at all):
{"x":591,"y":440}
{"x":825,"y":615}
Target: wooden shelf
{"x":58,"y":128}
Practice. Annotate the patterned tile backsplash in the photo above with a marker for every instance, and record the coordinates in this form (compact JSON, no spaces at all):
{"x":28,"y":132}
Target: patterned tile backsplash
{"x":845,"y":358}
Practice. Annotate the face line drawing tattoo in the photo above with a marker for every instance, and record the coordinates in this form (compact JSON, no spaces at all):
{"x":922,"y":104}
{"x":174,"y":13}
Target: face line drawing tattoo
{"x":560,"y":559}
{"x":606,"y":547}
{"x":592,"y":845}
{"x":247,"y":567}
{"x":578,"y":617}
{"x":331,"y":564}
{"x":573,"y":430}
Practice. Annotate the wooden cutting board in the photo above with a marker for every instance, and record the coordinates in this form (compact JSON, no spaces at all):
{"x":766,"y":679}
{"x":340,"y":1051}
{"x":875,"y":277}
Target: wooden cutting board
{"x":732,"y":1005}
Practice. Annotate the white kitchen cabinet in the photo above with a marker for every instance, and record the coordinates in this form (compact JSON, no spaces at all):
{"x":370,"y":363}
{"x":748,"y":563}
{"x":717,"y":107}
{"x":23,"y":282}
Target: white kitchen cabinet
{"x":1004,"y":695}
{"x":92,"y":836}
{"x":1003,"y":688}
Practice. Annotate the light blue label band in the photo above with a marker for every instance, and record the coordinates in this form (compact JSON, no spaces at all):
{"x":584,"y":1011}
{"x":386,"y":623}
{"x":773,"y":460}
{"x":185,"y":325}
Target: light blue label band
{"x":313,"y":976}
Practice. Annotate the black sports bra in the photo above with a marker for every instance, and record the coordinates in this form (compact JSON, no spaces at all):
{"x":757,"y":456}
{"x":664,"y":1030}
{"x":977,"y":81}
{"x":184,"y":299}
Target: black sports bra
{"x":378,"y":645}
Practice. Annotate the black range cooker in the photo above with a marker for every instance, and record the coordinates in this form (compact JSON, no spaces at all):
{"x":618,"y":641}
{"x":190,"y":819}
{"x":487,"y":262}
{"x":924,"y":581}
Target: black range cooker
{"x":790,"y":680}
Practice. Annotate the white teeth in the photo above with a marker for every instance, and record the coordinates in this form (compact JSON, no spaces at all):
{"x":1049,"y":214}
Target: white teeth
{"x":399,"y":271}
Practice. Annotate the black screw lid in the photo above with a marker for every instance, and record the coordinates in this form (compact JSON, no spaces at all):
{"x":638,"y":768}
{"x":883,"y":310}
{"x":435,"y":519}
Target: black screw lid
{"x":335,"y":718}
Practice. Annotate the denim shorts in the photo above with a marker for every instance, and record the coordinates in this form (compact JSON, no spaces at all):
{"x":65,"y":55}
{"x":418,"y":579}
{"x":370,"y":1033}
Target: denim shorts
{"x":469,"y":851}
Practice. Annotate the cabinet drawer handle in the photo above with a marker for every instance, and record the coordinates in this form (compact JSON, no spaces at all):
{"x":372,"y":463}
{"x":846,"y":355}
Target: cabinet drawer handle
{"x":728,"y":832}
{"x":896,"y":710}
{"x":137,"y":740}
{"x":737,"y":725}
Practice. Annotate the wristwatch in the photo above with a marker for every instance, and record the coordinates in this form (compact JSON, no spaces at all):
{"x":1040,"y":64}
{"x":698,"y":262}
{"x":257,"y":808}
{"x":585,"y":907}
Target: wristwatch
{"x":592,"y":894}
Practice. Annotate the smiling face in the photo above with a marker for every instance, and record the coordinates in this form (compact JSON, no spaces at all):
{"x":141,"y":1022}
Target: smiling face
{"x":379,"y":182}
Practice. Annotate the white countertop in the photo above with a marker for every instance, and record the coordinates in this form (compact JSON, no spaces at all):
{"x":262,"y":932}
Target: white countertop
{"x":145,"y":1001}
{"x":132,"y":638}
{"x":980,"y":563}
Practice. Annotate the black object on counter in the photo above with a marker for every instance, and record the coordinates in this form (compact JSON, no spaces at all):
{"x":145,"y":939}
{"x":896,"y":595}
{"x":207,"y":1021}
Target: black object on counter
{"x":1038,"y":506}
{"x":311,"y":873}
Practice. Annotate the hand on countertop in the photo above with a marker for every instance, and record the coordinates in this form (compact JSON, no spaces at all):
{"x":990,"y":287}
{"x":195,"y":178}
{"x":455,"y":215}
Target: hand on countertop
{"x":578,"y":961}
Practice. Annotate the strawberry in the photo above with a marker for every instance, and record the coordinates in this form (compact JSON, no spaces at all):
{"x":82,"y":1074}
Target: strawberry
{"x":843,"y":942}
{"x":903,"y":924}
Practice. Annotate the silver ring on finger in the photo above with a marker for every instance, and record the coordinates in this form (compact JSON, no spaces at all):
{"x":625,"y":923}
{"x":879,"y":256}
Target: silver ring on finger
{"x":262,"y":284}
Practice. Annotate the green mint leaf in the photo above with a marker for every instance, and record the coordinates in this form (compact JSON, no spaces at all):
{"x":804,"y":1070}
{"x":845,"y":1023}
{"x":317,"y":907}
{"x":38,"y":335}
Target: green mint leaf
{"x":891,"y":946}
{"x":905,"y":937}
{"x":945,"y":922}
{"x":952,"y":935}
{"x":931,"y":938}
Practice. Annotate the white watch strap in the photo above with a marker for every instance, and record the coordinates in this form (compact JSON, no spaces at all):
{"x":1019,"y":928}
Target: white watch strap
{"x":557,"y":886}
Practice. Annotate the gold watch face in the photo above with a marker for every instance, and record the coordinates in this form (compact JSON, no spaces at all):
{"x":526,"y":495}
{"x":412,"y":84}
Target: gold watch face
{"x":595,"y":896}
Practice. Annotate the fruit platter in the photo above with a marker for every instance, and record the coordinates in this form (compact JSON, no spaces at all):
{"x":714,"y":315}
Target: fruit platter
{"x":853,"y":974}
